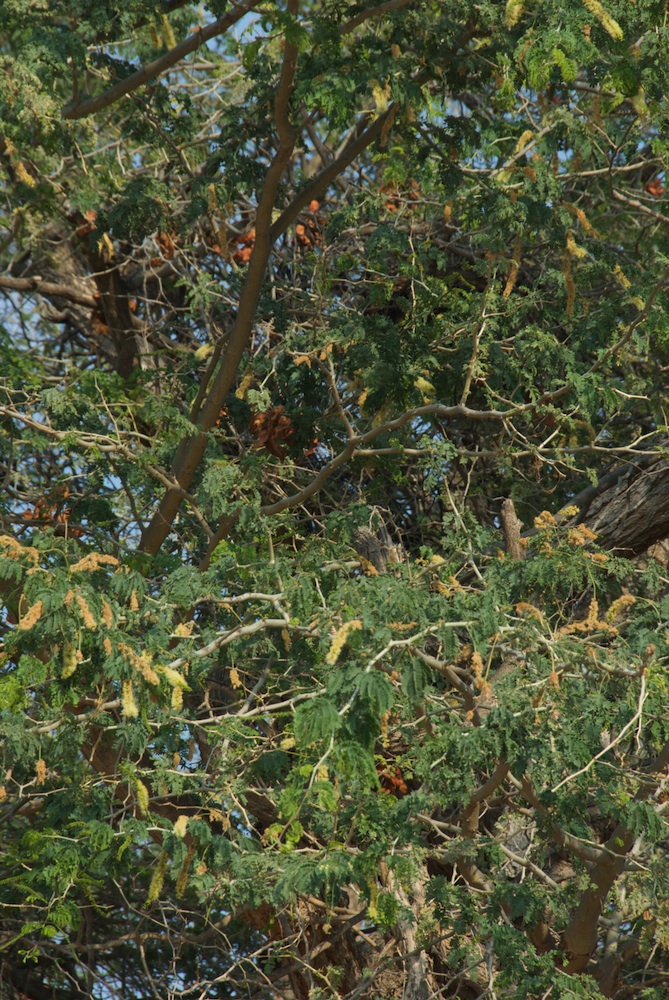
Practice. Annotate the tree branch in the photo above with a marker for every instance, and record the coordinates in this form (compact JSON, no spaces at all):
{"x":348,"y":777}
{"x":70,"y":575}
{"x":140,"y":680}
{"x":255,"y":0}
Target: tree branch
{"x":81,"y":109}
{"x":322,"y":181}
{"x":47,"y":288}
{"x":192,"y":450}
{"x":469,"y":870}
{"x":365,"y":15}
{"x":447,"y":671}
{"x":511,"y":526}
{"x":580,"y":937}
{"x":638,"y":204}
{"x":363,"y":138}
{"x":433,"y":409}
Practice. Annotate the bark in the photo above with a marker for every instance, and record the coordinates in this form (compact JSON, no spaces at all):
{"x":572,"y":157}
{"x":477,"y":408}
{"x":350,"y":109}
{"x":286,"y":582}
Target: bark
{"x":418,"y":982}
{"x":95,"y":306}
{"x":580,"y":937}
{"x":511,"y":526}
{"x":191,"y":450}
{"x":581,"y":934}
{"x":629,"y":507}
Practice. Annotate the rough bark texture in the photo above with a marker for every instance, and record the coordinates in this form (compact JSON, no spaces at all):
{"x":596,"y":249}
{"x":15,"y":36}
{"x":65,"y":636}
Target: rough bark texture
{"x":629,"y":507}
{"x":511,"y":526}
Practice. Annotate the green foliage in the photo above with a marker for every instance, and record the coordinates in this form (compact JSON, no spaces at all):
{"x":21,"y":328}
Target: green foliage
{"x":143,"y":208}
{"x":283,"y":326}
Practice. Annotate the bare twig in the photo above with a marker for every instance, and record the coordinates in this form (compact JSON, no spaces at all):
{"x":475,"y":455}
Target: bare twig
{"x":636,"y":718}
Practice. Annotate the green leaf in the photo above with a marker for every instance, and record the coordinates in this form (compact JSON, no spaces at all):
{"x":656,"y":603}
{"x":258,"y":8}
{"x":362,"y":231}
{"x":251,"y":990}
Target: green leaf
{"x":315,"y":720}
{"x":415,"y":677}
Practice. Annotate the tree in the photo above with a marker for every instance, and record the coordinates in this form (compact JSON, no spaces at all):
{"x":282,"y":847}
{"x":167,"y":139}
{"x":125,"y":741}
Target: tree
{"x":335,"y":469}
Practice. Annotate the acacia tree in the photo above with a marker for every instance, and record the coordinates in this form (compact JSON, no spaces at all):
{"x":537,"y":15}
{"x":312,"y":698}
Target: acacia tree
{"x":334,"y":461}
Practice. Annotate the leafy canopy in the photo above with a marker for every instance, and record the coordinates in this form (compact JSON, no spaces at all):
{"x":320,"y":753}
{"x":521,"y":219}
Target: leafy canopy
{"x":333,"y":443}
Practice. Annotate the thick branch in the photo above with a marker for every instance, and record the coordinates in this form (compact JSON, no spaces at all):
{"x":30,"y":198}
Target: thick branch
{"x":364,"y":136}
{"x":585,"y":852}
{"x":47,"y":288}
{"x":447,"y":671}
{"x":192,"y":450}
{"x":322,"y":181}
{"x":470,"y":826}
{"x":580,"y":937}
{"x":511,"y":526}
{"x":131,"y":83}
{"x":630,"y":508}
